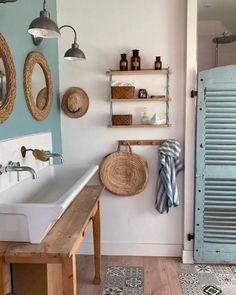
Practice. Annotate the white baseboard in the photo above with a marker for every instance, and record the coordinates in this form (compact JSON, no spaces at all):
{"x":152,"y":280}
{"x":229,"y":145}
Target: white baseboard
{"x":187,"y":257}
{"x":131,"y":249}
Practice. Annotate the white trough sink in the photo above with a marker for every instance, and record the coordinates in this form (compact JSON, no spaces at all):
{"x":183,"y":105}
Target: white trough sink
{"x":30,"y":208}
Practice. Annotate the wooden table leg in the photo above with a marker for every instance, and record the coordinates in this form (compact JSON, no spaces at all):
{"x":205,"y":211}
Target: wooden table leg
{"x":69,"y":276}
{"x":97,"y":245}
{"x":4,"y":277}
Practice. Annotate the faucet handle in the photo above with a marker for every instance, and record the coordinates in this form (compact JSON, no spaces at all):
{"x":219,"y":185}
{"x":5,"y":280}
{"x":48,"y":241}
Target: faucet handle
{"x":15,"y":164}
{"x":47,"y":152}
{"x":2,"y":169}
{"x":11,"y":163}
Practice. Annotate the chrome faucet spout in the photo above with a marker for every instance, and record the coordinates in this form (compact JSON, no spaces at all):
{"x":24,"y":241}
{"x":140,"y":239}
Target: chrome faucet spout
{"x":15,"y":167}
{"x":55,"y":155}
{"x":21,"y":169}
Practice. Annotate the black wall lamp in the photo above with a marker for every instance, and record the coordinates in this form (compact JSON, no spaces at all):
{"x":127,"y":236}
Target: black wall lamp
{"x":43,"y":27}
{"x":74,"y":53}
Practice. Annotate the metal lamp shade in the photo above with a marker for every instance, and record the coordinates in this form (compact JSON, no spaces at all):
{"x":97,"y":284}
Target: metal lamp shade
{"x":74,"y":53}
{"x":44,"y":27}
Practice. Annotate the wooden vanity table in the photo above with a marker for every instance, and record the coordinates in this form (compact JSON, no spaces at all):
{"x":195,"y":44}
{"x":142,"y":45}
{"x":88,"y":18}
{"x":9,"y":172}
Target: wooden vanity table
{"x":49,"y":268}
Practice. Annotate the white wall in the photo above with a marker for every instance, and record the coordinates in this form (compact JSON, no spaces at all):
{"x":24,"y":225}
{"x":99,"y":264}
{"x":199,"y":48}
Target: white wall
{"x":130,"y":226}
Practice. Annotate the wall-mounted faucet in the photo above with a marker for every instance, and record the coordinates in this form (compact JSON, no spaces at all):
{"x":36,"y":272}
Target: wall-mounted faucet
{"x":16,"y":167}
{"x":41,"y":154}
{"x":54,"y":155}
{"x":38,"y":154}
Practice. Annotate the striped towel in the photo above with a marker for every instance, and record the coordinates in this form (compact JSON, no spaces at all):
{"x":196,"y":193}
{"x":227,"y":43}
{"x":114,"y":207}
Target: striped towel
{"x":170,"y":166}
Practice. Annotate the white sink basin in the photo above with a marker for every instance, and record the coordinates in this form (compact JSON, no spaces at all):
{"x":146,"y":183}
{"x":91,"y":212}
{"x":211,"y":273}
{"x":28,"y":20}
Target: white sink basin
{"x":29,"y":209}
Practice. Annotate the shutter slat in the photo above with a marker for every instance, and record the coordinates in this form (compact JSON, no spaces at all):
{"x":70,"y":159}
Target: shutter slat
{"x":219,"y":131}
{"x":219,"y":241}
{"x":218,"y":226}
{"x":220,"y":157}
{"x":221,"y":152}
{"x":220,"y":115}
{"x":221,"y":125}
{"x":218,"y":136}
{"x":221,"y":232}
{"x":222,"y":105}
{"x":212,"y":110}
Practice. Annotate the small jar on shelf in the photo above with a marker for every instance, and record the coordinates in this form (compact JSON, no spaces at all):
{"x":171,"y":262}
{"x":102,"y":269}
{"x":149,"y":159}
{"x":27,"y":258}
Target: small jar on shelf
{"x":158,"y":63}
{"x":135,"y":60}
{"x":144,"y":117}
{"x":123,"y":62}
{"x":142,"y":93}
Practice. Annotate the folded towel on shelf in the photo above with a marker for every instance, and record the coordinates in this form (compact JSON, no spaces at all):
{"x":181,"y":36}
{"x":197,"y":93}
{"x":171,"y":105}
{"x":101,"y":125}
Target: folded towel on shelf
{"x":122,"y":84}
{"x":170,"y":166}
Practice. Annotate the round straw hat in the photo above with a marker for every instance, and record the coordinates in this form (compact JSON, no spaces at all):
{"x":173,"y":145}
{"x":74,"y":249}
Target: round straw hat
{"x":41,"y":99}
{"x":75,"y":102}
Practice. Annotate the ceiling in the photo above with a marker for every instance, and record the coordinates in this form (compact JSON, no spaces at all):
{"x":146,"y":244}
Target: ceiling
{"x":219,"y":10}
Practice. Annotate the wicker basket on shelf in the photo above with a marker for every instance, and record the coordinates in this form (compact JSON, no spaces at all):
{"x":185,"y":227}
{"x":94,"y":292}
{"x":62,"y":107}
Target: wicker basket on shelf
{"x":122,"y":119}
{"x":122,"y":92}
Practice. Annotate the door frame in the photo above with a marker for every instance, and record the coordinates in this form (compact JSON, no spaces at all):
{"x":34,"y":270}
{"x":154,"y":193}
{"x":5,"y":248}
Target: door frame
{"x":190,"y":115}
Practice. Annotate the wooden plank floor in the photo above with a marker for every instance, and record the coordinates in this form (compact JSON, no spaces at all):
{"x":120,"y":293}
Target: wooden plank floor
{"x":160,"y":276}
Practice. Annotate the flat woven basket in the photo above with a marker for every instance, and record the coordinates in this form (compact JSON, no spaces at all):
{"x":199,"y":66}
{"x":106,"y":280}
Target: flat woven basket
{"x":122,"y":119}
{"x":122,"y":92}
{"x":124,"y":173}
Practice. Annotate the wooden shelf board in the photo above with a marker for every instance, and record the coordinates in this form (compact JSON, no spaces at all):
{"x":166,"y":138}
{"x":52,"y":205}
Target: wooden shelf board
{"x":141,"y":72}
{"x":140,"y":126}
{"x":161,"y":98}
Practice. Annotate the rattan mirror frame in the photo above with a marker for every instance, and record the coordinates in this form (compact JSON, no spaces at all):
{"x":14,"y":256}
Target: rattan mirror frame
{"x":5,"y":54}
{"x":33,"y":58}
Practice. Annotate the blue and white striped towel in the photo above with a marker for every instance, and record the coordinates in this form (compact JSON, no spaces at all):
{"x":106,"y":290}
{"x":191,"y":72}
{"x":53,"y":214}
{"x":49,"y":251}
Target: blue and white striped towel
{"x":170,"y":166}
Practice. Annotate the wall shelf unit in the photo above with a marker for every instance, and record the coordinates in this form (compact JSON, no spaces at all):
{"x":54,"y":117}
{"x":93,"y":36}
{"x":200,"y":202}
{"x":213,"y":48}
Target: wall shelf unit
{"x":140,"y":126}
{"x":161,"y":98}
{"x":149,"y":99}
{"x":140,"y":72}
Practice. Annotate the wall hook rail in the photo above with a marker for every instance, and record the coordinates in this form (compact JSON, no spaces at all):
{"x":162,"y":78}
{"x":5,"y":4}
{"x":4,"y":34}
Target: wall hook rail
{"x":142,"y":142}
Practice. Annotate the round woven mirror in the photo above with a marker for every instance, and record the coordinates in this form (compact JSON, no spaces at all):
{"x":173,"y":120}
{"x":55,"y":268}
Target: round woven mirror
{"x":7,"y":80}
{"x":38,"y":85}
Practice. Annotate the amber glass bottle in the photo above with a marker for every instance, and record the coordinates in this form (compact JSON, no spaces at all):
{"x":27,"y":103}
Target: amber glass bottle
{"x":135,"y":60}
{"x":158,"y":63}
{"x":123,"y":62}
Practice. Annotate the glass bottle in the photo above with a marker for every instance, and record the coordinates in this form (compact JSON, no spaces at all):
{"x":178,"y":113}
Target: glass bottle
{"x":144,"y":117}
{"x":124,"y":62}
{"x":158,"y":63}
{"x":135,"y":60}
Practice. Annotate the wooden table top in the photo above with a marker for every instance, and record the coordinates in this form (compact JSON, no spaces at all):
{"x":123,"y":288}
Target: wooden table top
{"x":62,"y":240}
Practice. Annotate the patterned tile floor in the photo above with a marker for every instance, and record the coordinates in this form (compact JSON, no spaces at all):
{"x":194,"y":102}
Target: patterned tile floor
{"x":202,"y":279}
{"x":124,"y":281}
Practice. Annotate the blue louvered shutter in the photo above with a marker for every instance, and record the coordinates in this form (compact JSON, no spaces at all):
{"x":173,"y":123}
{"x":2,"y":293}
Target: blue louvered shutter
{"x":215,"y":205}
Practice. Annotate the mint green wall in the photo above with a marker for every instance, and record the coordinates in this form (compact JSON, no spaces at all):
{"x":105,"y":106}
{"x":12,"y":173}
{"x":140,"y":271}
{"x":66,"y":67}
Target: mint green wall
{"x":14,"y":22}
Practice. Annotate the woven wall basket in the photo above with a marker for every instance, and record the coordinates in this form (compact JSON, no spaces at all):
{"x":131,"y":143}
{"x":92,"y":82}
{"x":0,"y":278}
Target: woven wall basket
{"x":124,"y":173}
{"x":124,"y":92}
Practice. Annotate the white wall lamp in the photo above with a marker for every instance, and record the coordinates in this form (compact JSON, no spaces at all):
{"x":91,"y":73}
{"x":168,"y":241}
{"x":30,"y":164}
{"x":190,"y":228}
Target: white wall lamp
{"x":44,"y":27}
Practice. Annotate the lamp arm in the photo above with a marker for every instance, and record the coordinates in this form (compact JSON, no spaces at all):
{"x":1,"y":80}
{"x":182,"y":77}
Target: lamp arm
{"x":68,"y":26}
{"x":45,"y":6}
{"x":7,"y":1}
